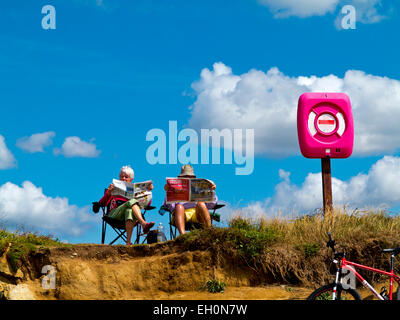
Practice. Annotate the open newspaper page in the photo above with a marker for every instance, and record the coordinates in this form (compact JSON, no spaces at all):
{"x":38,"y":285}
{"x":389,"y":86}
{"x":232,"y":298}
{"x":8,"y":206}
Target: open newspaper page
{"x":140,"y":191}
{"x":200,"y":190}
{"x":189,"y":190}
{"x":123,"y":188}
{"x":178,"y":190}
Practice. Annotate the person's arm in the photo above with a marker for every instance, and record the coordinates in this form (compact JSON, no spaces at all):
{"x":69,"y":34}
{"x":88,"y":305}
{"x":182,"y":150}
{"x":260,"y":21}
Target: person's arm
{"x":213,"y":187}
{"x":211,"y":205}
{"x":169,"y":206}
{"x":104,"y":200}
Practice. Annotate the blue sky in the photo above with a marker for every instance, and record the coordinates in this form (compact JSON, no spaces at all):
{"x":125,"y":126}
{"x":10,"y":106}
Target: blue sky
{"x":113,"y":70}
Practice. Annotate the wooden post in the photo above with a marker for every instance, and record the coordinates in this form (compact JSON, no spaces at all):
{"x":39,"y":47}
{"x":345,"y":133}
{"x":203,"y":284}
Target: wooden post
{"x":327,"y":186}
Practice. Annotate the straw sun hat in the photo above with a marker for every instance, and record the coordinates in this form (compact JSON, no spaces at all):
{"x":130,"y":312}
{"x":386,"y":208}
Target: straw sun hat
{"x":187,"y":170}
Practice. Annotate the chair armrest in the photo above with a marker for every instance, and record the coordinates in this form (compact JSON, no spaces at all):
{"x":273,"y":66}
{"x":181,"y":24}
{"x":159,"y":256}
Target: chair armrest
{"x":162,"y":210}
{"x":218,"y":206}
{"x":96,"y":207}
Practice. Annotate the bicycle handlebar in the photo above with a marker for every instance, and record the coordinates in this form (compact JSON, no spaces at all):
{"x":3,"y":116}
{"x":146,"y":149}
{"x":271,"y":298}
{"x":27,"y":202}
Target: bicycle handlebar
{"x":331,"y":243}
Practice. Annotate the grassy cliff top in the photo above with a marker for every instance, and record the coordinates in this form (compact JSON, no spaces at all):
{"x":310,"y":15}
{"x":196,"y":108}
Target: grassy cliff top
{"x":278,"y":249}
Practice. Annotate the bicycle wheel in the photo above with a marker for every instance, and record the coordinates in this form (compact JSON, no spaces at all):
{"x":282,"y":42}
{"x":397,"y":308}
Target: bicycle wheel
{"x":325,"y":293}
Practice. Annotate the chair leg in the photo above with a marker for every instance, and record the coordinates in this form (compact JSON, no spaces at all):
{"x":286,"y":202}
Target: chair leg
{"x":145,"y":238}
{"x":103,"y":232}
{"x":114,"y":240}
{"x":171,"y":231}
{"x":120,"y":235}
{"x":212,"y":218}
{"x":138,"y":231}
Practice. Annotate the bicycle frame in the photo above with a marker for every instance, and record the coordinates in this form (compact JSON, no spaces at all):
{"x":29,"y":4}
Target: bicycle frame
{"x":346,"y":264}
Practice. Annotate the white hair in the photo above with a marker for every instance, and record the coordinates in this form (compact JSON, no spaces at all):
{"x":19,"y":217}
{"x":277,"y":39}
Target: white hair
{"x":128,"y":170}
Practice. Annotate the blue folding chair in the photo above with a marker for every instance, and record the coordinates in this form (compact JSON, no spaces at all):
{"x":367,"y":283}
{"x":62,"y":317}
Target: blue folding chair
{"x":189,"y":226}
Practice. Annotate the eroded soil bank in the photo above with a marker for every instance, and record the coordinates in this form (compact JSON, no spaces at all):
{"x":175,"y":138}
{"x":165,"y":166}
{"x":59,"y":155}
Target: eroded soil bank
{"x":158,"y":271}
{"x":143,"y":272}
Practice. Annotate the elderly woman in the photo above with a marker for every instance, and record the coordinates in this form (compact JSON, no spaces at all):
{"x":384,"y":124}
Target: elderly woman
{"x":123,"y":209}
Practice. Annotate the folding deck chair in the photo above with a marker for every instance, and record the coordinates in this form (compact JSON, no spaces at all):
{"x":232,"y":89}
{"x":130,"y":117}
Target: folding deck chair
{"x":190,"y":226}
{"x":117,"y":225}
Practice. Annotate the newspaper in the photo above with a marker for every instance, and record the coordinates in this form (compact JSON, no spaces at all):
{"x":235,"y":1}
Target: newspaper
{"x":189,"y":190}
{"x":139,"y":190}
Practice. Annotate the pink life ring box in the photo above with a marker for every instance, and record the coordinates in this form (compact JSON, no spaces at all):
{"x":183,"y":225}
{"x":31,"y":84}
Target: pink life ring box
{"x":325,"y":125}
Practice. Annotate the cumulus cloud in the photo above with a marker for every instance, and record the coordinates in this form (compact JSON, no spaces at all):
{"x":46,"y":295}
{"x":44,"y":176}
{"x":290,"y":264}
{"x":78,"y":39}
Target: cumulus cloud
{"x":27,"y":206}
{"x":7,"y":159}
{"x":366,"y":10}
{"x":267,"y":103}
{"x":301,"y":8}
{"x":380,"y":187}
{"x":75,"y":147}
{"x":36,"y":142}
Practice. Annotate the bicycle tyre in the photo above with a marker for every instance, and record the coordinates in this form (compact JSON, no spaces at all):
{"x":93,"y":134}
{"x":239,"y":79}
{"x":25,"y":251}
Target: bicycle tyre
{"x":318,"y":293}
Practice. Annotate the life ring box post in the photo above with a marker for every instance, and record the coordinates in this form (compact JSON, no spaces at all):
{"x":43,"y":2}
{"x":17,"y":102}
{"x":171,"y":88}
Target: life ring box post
{"x":325,"y":125}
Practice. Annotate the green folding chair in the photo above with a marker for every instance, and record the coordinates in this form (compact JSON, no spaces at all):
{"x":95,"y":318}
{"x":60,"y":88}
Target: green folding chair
{"x":117,"y":225}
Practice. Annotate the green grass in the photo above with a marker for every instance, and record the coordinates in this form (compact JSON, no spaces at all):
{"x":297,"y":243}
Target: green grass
{"x":309,"y":249}
{"x":250,"y":238}
{"x":244,"y":238}
{"x":22,"y":244}
{"x":215,"y":286}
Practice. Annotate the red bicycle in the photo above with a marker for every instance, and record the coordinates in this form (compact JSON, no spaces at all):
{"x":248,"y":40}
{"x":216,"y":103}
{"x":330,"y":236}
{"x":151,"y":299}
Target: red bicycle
{"x":344,"y":288}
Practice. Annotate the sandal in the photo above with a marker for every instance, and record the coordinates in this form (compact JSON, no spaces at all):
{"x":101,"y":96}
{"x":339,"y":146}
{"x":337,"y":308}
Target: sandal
{"x":147,"y":227}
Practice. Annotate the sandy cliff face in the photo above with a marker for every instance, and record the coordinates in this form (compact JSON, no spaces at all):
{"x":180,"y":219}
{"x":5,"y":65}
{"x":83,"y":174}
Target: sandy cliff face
{"x":158,"y":271}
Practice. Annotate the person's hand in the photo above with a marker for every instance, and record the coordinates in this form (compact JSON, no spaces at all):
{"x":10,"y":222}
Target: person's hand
{"x":150,"y":187}
{"x":110,"y":187}
{"x":213,"y":186}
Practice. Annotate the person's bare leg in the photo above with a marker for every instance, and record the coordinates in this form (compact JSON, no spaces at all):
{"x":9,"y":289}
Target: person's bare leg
{"x":202,"y":214}
{"x":138,"y":215}
{"x":180,"y":218}
{"x":129,"y":225}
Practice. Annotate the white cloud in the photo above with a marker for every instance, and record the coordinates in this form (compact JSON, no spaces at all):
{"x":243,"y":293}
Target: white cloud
{"x":75,"y":147}
{"x":27,"y":206}
{"x":267,"y":103}
{"x":380,"y":187}
{"x":300,"y":8}
{"x":366,"y":10}
{"x":36,"y":142}
{"x":7,"y":159}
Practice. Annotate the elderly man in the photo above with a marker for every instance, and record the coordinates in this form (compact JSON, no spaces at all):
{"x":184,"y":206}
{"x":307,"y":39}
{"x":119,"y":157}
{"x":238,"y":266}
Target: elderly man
{"x":184,"y":212}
